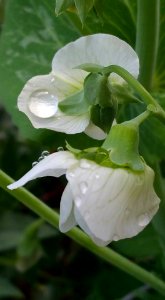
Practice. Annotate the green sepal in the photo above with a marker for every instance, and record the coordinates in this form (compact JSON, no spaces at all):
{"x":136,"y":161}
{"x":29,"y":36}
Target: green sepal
{"x":96,"y":154}
{"x":74,"y":105}
{"x":97,"y":90}
{"x":71,"y":149}
{"x":91,"y":68}
{"x":122,"y":143}
{"x":62,"y":5}
{"x":103,"y":117}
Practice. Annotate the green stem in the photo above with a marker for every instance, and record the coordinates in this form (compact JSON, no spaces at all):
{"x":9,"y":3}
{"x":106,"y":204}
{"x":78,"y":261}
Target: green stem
{"x":147,"y":39}
{"x":153,"y":106}
{"x":77,"y":235}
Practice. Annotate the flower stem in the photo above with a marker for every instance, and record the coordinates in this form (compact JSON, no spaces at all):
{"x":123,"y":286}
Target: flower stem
{"x":147,"y":39}
{"x":81,"y":238}
{"x":153,"y":106}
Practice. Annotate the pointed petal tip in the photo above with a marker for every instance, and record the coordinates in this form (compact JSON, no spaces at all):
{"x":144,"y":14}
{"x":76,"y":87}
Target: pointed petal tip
{"x":12,"y":186}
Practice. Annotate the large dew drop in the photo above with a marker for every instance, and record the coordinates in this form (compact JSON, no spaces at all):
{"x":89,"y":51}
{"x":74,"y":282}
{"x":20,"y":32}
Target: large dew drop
{"x":43,"y":104}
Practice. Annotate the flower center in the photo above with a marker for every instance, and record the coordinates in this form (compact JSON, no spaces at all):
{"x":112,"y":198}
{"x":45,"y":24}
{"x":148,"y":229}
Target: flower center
{"x":43,"y":104}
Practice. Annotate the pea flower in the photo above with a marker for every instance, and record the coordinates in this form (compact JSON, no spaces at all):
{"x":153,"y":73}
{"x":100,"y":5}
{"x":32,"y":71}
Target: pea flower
{"x":108,"y":203}
{"x":41,"y":95}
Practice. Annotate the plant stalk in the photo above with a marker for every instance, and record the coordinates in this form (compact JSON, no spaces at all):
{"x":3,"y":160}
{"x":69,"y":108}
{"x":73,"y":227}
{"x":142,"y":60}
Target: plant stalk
{"x":147,"y":39}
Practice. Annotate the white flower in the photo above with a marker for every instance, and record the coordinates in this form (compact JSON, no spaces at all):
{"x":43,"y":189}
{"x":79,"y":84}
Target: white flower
{"x":40,"y":96}
{"x":108,"y":204}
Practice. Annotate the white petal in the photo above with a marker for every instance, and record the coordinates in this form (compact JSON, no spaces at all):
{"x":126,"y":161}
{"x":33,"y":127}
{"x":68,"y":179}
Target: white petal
{"x":101,"y":49}
{"x":95,"y":132}
{"x":39,"y":101}
{"x":82,"y":223}
{"x":53,"y":165}
{"x":114,"y":203}
{"x":67,"y":219}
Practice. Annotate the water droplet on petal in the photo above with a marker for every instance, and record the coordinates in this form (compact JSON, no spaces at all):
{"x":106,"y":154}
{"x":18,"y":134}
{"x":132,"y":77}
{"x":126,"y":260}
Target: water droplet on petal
{"x":52,"y":79}
{"x":143,"y":220}
{"x":116,"y":238}
{"x":78,"y":201}
{"x":34,"y":163}
{"x":83,"y":187}
{"x":45,"y":153}
{"x":84,"y":164}
{"x":40,"y":158}
{"x":71,"y":174}
{"x":97,"y":176}
{"x":43,"y":104}
{"x":60,"y":149}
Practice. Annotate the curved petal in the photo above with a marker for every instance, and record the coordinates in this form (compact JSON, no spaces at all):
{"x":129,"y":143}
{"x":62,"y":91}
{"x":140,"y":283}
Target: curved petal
{"x":82,"y":223}
{"x":39,"y":101}
{"x":95,"y":132}
{"x":101,"y":49}
{"x":114,"y":203}
{"x":67,"y":219}
{"x":53,"y":165}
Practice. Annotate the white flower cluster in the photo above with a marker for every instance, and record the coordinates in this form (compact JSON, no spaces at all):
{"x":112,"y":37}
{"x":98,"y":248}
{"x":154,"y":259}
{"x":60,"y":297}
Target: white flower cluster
{"x":108,"y":203}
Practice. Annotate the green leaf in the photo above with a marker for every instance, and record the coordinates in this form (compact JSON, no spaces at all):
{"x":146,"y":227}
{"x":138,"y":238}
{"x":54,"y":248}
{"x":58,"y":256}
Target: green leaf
{"x":145,"y":244}
{"x":74,"y":105}
{"x":83,"y":8}
{"x":62,"y":5}
{"x":11,"y":227}
{"x":27,"y":49}
{"x":7,"y":289}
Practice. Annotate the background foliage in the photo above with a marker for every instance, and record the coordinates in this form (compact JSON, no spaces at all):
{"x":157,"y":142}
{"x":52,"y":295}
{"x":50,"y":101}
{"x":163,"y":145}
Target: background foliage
{"x":36,"y":261}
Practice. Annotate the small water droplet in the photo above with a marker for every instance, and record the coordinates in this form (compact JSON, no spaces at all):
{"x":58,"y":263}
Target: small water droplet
{"x":116,"y":238}
{"x":60,"y":149}
{"x":84,"y":164}
{"x":97,"y":176}
{"x":71,"y":174}
{"x":34,"y":163}
{"x":143,"y":220}
{"x":40,"y":158}
{"x":83,"y":187}
{"x":43,"y":104}
{"x":52,"y":79}
{"x":78,"y":201}
{"x":45,"y":153}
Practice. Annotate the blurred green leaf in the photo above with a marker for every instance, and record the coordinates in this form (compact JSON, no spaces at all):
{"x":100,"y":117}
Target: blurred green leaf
{"x":12,"y":226}
{"x":159,"y":79}
{"x":27,"y":49}
{"x":7,"y":289}
{"x":145,"y":244}
{"x":62,"y":5}
{"x":83,"y":8}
